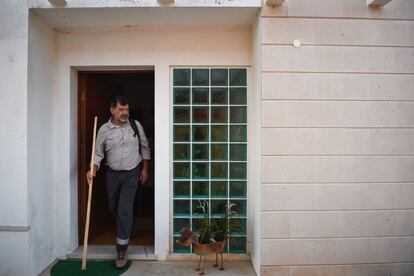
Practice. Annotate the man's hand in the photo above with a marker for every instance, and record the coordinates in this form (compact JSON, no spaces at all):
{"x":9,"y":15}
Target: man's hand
{"x":89,"y":176}
{"x":143,"y":177}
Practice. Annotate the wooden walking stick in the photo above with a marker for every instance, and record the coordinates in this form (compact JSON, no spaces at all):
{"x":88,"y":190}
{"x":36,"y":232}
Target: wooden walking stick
{"x":88,"y":210}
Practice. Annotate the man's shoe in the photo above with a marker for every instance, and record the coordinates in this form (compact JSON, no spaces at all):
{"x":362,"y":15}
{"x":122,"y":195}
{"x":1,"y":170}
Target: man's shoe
{"x":121,"y":259}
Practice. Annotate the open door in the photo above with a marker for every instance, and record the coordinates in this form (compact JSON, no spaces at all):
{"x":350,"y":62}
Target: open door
{"x":95,"y":89}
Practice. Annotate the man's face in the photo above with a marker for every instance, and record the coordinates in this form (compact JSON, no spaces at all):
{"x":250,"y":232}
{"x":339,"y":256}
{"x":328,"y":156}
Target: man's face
{"x":120,"y":112}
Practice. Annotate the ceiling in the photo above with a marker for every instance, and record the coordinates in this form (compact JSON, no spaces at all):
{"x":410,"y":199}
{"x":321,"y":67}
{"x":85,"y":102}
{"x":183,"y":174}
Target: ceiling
{"x":66,"y":19}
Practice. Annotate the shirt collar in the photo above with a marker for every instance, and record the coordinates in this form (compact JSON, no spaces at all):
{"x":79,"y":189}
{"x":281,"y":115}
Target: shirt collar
{"x":111,"y":125}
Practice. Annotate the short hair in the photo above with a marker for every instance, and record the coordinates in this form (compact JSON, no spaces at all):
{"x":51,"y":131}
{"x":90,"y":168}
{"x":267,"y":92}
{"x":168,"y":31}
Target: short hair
{"x":118,"y":99}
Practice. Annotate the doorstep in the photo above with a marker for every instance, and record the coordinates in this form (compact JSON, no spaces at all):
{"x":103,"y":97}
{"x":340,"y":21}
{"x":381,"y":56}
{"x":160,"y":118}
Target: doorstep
{"x":180,"y":268}
{"x":107,"y":252}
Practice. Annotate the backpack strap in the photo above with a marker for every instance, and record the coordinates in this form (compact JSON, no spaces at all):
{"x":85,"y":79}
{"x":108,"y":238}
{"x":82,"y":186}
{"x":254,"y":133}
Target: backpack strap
{"x":136,"y":131}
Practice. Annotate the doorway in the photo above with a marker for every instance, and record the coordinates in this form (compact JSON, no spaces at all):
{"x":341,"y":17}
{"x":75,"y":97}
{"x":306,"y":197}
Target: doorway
{"x":95,"y":89}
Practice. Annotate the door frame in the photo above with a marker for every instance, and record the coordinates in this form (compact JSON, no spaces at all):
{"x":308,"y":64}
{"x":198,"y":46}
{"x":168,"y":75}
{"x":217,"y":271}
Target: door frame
{"x":82,"y":197}
{"x":161,"y":120}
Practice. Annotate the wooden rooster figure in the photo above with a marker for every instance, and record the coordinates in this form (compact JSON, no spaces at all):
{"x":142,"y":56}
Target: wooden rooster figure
{"x":187,"y":238}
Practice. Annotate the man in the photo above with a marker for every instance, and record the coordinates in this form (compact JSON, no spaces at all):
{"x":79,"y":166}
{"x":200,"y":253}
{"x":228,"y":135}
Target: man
{"x":127,"y":164}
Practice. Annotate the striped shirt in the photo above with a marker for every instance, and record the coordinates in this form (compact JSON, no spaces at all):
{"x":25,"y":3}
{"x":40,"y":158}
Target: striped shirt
{"x":120,"y":146}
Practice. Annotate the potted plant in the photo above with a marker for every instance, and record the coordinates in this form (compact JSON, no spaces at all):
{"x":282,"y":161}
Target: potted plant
{"x":210,"y":235}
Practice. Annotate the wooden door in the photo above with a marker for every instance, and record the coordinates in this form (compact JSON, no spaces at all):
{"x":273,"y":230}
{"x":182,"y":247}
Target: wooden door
{"x":93,"y":100}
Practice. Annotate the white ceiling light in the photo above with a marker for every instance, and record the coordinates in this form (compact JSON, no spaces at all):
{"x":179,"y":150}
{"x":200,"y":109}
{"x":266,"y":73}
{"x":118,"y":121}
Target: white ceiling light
{"x":57,"y":2}
{"x":165,"y":2}
{"x":274,"y":2}
{"x":376,"y":3}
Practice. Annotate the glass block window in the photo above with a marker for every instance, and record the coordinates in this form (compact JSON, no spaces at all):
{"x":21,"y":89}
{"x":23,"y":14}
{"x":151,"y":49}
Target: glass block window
{"x":209,"y":148}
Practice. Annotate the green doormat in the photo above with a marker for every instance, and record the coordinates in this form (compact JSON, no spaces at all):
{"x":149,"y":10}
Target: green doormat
{"x":97,"y":268}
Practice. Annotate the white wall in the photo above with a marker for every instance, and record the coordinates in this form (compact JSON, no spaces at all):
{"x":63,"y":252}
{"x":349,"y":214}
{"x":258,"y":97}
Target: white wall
{"x":40,"y":141}
{"x":13,"y":66}
{"x":158,"y":47}
{"x":14,"y":224}
{"x":14,"y":243}
{"x":255,"y":138}
{"x":337,"y":139}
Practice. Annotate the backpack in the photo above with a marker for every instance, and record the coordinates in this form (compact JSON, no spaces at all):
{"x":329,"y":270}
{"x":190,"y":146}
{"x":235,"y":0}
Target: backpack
{"x":136,"y":131}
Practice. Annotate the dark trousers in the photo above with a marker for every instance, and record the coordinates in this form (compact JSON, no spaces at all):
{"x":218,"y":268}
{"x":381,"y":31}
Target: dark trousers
{"x":121,"y":187}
